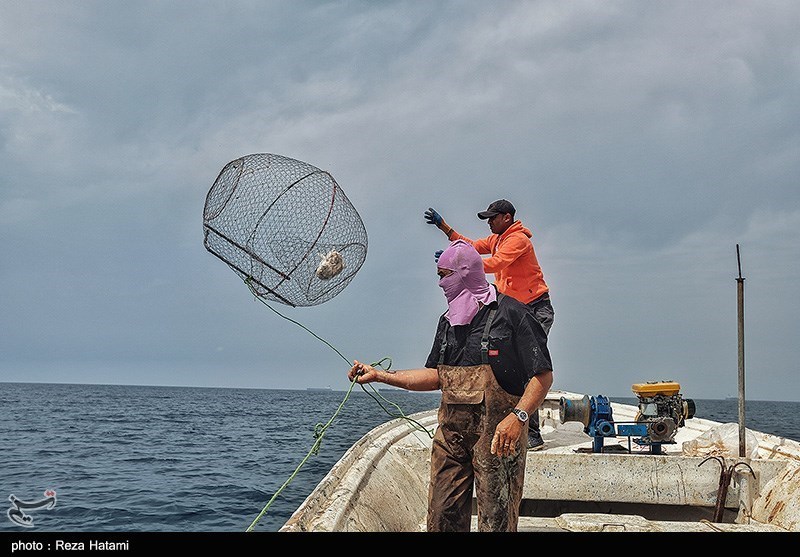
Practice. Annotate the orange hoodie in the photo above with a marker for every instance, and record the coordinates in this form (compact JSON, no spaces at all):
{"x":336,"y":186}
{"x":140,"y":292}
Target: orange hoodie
{"x":516,"y":270}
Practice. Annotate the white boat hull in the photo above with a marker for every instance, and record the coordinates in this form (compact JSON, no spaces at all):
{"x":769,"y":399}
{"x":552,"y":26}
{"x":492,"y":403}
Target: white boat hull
{"x":380,"y":484}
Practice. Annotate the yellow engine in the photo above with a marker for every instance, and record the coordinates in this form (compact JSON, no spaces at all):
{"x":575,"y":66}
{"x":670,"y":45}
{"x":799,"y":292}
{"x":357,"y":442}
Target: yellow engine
{"x":662,"y":408}
{"x":652,"y":388}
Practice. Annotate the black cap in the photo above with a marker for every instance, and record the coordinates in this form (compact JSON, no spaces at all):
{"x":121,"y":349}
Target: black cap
{"x":501,"y":206}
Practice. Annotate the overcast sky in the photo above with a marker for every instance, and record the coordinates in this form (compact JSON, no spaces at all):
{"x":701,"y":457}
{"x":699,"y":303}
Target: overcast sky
{"x":640,"y":142}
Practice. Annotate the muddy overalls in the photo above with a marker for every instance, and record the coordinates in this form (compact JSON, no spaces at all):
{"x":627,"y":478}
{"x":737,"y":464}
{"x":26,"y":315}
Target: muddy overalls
{"x":473,"y":403}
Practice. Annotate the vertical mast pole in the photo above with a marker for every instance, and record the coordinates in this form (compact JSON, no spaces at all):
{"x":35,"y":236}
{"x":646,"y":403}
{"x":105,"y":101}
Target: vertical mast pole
{"x":740,"y":306}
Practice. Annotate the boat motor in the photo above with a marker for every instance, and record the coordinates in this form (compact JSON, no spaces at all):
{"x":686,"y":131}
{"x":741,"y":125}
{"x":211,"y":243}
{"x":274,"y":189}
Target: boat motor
{"x":662,"y":410}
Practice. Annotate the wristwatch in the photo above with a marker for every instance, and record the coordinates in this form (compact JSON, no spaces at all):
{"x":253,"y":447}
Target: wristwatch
{"x":522,"y":415}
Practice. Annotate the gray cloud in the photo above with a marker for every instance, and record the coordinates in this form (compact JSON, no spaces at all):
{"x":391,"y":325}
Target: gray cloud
{"x":640,"y":142}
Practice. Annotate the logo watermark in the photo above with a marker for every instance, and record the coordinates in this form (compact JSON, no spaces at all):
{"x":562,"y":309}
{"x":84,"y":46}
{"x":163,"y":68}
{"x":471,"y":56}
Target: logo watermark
{"x":17,"y":515}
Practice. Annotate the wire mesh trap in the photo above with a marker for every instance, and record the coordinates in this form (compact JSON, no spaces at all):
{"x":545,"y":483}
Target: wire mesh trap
{"x":285,"y":227}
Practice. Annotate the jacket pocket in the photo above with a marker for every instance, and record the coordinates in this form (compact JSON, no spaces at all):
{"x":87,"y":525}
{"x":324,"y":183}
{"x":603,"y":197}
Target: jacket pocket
{"x":500,"y":342}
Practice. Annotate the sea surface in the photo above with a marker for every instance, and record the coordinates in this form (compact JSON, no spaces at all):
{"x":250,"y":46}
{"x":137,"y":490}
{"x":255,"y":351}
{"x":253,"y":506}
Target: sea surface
{"x":190,"y":459}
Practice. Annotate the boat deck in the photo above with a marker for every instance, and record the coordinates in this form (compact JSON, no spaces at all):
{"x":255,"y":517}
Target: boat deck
{"x":600,"y":522}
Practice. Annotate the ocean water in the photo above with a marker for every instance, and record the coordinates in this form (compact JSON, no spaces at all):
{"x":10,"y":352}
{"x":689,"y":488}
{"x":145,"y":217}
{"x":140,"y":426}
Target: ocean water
{"x":174,"y":459}
{"x":186,"y":459}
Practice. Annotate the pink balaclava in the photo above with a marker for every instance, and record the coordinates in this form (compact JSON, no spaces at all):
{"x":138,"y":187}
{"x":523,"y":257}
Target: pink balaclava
{"x":466,"y":286}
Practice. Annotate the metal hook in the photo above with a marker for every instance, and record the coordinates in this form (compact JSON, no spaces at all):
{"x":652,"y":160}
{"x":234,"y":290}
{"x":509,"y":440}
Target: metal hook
{"x":725,"y":476}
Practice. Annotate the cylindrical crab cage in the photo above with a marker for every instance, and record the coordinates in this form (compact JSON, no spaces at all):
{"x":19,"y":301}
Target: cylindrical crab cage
{"x":285,"y":227}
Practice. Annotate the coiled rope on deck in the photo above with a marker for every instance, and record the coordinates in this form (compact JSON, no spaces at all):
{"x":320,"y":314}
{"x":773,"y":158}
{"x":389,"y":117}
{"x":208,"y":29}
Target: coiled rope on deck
{"x":319,"y":428}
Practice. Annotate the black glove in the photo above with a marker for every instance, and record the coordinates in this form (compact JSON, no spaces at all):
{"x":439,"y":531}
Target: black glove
{"x":437,"y":254}
{"x":432,"y":217}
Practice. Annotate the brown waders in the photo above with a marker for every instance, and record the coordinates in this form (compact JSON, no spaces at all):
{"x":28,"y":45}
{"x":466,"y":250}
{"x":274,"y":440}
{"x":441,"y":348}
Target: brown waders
{"x":473,"y":403}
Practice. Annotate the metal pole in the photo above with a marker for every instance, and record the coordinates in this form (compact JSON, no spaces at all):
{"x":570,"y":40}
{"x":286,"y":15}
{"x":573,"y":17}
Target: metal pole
{"x":740,"y":305}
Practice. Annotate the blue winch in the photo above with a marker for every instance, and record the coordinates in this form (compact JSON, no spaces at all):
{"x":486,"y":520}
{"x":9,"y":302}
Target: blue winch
{"x":662,"y":410}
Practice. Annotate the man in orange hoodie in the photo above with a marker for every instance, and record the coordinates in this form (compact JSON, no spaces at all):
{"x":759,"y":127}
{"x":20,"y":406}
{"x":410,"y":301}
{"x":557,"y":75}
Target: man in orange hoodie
{"x":516,"y":270}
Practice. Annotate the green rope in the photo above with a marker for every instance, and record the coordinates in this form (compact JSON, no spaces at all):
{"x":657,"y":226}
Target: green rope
{"x":320,"y":429}
{"x":248,"y":281}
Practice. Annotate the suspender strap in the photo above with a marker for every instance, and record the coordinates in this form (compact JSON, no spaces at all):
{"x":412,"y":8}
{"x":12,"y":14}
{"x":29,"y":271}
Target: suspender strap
{"x":444,"y":342}
{"x":485,"y":337}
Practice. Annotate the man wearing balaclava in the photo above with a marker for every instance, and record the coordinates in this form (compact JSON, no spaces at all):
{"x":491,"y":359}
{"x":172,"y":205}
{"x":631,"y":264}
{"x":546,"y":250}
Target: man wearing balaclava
{"x":516,"y":269}
{"x":490,"y":360}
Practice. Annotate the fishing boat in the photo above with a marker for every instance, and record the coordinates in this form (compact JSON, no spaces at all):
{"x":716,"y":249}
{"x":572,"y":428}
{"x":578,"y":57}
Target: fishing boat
{"x":605,"y":467}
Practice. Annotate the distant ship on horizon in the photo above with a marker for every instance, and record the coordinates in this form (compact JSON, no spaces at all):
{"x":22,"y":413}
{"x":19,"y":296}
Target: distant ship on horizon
{"x":319,"y":389}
